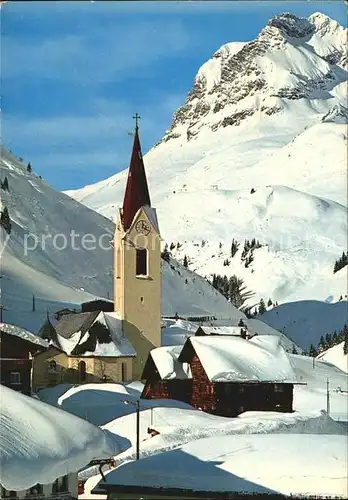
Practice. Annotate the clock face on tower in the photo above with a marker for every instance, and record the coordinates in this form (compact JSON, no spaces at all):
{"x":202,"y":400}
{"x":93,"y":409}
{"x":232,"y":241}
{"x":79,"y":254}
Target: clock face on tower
{"x":143,"y":227}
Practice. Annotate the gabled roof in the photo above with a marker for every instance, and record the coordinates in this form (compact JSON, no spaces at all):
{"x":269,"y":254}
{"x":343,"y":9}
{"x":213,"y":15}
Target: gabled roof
{"x":168,"y":366}
{"x":222,"y":330}
{"x":76,"y":336}
{"x":76,"y":322}
{"x":24,"y":334}
{"x":234,"y":359}
{"x":137,"y":192}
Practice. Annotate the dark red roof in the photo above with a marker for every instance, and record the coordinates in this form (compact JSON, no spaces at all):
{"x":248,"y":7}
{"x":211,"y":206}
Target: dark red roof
{"x":137,"y":192}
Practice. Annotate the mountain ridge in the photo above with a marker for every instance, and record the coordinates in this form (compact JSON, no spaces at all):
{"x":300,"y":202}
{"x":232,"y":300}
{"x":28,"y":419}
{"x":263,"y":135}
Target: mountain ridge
{"x":215,"y":185}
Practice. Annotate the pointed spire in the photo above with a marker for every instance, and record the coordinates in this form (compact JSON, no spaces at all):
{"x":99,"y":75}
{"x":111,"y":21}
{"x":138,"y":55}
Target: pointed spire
{"x":137,"y":192}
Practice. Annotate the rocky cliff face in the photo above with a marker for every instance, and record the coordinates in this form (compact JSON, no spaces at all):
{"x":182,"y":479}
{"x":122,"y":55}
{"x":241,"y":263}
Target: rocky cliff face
{"x":292,"y":58}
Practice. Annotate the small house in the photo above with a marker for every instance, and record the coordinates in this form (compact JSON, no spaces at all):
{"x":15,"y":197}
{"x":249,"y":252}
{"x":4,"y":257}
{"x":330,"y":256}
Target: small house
{"x":64,"y":487}
{"x":223,"y":375}
{"x":17,"y":349}
{"x":166,"y":377}
{"x":235,"y":331}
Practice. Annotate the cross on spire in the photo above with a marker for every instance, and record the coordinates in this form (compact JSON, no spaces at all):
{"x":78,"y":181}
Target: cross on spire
{"x":136,"y":117}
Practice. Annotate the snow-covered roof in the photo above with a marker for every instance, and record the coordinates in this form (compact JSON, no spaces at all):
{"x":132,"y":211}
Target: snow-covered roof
{"x":223,"y":330}
{"x":234,"y":359}
{"x":167,"y":363}
{"x":39,"y":442}
{"x":335,"y":355}
{"x":305,"y":464}
{"x":23,"y":334}
{"x":73,"y":331}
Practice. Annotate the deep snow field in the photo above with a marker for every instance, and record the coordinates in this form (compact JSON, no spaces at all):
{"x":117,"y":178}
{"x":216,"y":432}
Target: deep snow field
{"x":317,"y":436}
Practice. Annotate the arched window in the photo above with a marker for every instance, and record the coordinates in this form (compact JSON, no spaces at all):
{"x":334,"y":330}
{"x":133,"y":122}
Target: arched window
{"x":82,"y":371}
{"x":124,"y":372}
{"x":52,"y":366}
{"x":141,"y":262}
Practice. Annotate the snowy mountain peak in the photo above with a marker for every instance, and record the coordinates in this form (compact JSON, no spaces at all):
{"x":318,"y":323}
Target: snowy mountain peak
{"x":290,"y":25}
{"x":337,"y":114}
{"x":324,"y":23}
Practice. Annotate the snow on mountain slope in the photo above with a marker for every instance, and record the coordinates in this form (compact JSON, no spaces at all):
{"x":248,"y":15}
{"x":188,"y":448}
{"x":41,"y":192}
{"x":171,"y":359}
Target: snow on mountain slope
{"x":335,"y":355}
{"x":258,"y":150}
{"x":59,"y":251}
{"x":305,"y":321}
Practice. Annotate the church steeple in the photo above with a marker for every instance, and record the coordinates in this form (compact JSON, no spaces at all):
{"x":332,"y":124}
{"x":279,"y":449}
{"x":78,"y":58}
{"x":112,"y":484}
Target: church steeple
{"x":137,"y":192}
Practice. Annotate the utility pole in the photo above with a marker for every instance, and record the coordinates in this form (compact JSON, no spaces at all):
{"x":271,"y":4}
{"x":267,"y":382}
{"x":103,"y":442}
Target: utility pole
{"x":138,"y":427}
{"x":137,"y":407}
{"x":1,"y":306}
{"x":33,"y":308}
{"x":327,"y":397}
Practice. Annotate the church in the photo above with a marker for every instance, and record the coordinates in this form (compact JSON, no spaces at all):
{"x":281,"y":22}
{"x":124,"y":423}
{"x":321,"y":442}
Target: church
{"x":107,"y":345}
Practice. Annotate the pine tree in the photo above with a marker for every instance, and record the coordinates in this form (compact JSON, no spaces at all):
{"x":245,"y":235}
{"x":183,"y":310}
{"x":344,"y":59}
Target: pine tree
{"x":29,"y":168}
{"x":328,"y":340}
{"x":345,"y":345}
{"x":252,"y":191}
{"x":294,"y":351}
{"x":312,"y":351}
{"x":165,"y":254}
{"x":269,"y":303}
{"x":172,"y":246}
{"x":234,"y":247}
{"x":321,"y":345}
{"x":241,"y":322}
{"x":5,"y":220}
{"x":4,"y":184}
{"x":341,"y":262}
{"x":334,"y":338}
{"x":249,"y":259}
{"x":185,"y":262}
{"x":262,"y":307}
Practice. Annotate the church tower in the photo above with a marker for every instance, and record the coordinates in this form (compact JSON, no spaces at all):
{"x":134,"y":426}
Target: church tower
{"x":137,"y":263}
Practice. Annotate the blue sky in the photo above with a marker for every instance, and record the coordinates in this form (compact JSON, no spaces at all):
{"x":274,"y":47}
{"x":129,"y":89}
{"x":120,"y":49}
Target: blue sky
{"x":74,"y":73}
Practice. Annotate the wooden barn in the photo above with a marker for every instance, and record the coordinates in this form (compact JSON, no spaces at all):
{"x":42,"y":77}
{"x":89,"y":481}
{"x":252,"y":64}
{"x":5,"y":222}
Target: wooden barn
{"x":223,"y":375}
{"x":17,"y":349}
{"x":162,"y":364}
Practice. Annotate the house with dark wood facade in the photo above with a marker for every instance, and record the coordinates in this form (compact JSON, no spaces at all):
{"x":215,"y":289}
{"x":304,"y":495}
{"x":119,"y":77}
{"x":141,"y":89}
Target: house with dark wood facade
{"x":17,"y":350}
{"x":223,"y":375}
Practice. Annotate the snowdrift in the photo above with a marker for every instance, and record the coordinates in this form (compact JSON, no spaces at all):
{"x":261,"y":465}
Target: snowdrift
{"x":39,"y":443}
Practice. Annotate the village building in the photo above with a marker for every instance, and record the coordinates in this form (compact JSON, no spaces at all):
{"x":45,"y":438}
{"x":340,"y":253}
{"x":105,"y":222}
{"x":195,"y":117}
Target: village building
{"x":64,"y":487}
{"x":17,"y":350}
{"x":137,"y":258}
{"x":85,"y":347}
{"x":235,"y":331}
{"x":223,"y":375}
